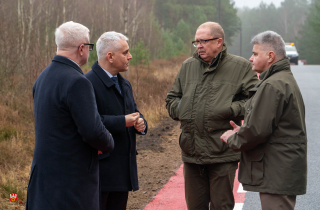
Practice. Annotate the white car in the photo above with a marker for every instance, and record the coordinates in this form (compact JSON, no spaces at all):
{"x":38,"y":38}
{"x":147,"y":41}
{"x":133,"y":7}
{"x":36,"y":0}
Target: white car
{"x":292,"y":53}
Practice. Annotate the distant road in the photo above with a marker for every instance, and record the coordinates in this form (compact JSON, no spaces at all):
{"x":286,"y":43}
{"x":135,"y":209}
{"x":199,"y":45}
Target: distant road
{"x":308,"y":78}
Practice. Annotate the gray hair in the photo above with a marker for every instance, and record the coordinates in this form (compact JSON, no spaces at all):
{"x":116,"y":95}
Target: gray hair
{"x":109,"y":42}
{"x":272,"y":41}
{"x":71,"y":34}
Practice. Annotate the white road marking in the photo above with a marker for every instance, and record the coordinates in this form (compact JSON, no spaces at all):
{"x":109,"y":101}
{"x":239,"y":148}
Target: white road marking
{"x":240,"y":189}
{"x":238,"y":206}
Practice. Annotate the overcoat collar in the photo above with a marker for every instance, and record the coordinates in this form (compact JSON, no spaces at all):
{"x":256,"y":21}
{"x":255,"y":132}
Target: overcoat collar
{"x":106,"y":79}
{"x":67,"y":61}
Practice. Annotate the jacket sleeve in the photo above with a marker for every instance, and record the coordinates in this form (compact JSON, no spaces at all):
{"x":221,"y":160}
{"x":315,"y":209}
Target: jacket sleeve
{"x":141,"y":116}
{"x":262,"y":118}
{"x":240,"y":98}
{"x":174,"y":97}
{"x":145,"y":123}
{"x":82,"y":106}
{"x":115,"y":124}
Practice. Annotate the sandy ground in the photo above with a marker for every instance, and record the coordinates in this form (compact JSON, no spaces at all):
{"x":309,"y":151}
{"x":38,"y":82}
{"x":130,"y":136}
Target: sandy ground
{"x":158,"y":159}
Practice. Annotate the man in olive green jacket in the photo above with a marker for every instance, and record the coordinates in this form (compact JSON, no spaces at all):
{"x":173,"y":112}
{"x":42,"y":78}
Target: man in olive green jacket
{"x":210,"y":89}
{"x":273,"y":137}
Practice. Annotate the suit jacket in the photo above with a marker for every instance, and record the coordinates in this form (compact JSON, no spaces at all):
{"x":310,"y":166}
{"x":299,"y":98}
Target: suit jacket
{"x":68,"y":135}
{"x":118,"y":172}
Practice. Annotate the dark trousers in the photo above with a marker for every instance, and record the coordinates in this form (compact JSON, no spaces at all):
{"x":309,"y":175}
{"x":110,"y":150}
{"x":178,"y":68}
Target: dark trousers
{"x":113,"y":200}
{"x":277,"y":202}
{"x":209,"y":184}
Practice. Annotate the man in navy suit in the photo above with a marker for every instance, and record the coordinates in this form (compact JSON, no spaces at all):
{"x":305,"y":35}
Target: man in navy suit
{"x":68,"y":129}
{"x":119,"y":113}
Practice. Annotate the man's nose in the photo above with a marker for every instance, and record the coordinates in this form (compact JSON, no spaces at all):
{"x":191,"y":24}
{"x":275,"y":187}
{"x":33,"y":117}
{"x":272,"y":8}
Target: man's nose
{"x":199,"y":46}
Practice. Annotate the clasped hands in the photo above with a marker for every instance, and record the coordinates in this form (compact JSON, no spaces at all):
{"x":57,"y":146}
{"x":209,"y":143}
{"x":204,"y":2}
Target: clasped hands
{"x":224,"y":137}
{"x":135,"y":120}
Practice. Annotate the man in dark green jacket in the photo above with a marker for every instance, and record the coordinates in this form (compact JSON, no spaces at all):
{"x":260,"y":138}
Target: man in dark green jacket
{"x":273,"y":138}
{"x":209,"y":91}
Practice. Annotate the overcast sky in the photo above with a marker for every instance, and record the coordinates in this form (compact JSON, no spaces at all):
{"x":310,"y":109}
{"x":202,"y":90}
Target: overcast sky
{"x":255,"y":3}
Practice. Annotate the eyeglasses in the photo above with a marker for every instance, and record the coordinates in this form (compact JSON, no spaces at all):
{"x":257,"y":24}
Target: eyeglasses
{"x":202,"y":42}
{"x":90,"y":46}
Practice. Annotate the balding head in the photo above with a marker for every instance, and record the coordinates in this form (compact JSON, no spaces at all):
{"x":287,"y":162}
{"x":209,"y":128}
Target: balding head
{"x":209,"y":40}
{"x":215,"y":29}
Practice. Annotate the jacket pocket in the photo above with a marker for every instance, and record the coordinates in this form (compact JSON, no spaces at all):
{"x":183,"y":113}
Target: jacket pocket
{"x":214,"y":145}
{"x":186,"y":102}
{"x":251,"y":171}
{"x":186,"y":139}
{"x":257,"y":172}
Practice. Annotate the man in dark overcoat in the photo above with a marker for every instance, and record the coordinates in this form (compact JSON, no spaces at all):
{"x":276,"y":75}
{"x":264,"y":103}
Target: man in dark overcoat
{"x":119,"y":113}
{"x":68,"y":129}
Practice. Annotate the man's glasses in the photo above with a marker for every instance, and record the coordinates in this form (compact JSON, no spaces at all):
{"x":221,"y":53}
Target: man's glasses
{"x":202,"y":42}
{"x":90,"y":46}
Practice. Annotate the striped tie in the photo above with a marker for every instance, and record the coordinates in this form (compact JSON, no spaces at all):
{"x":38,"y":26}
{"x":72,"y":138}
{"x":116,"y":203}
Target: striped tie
{"x":115,"y":79}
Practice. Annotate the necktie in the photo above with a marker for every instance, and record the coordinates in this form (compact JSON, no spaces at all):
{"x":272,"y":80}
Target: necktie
{"x":115,"y":79}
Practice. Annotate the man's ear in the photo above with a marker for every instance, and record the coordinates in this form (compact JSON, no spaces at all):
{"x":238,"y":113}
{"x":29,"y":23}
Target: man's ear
{"x":80,"y":49}
{"x":271,"y":57}
{"x":220,"y":42}
{"x":110,"y":57}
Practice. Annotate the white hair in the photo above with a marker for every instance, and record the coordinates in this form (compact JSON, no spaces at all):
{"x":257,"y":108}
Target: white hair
{"x":109,"y":42}
{"x":272,"y":41}
{"x":71,"y":34}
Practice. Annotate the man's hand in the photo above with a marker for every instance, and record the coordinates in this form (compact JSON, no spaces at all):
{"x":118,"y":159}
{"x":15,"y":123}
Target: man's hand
{"x":229,"y":133}
{"x":139,"y":126}
{"x":131,"y":119}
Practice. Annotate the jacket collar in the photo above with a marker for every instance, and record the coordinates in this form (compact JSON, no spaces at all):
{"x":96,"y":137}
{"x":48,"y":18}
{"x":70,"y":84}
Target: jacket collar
{"x":105,"y":78}
{"x":278,"y":66}
{"x":281,"y":65}
{"x":67,"y":61}
{"x":216,"y":60}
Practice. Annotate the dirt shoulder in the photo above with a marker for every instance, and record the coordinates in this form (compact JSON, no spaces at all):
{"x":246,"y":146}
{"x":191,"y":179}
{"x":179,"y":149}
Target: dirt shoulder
{"x":158,"y":159}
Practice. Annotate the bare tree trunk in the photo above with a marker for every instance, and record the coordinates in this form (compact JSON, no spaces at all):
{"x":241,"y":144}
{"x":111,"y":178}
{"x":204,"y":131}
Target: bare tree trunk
{"x":38,"y":28}
{"x":58,"y":19}
{"x":151,"y":22}
{"x":125,"y":16}
{"x":105,"y":12}
{"x":110,"y":14}
{"x":134,"y":25}
{"x":19,"y":24}
{"x":64,"y":11}
{"x":47,"y":25}
{"x":30,"y":27}
{"x":21,"y":21}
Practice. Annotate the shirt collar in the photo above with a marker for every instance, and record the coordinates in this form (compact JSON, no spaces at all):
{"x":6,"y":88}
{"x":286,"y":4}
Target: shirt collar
{"x":73,"y":62}
{"x":108,"y":73}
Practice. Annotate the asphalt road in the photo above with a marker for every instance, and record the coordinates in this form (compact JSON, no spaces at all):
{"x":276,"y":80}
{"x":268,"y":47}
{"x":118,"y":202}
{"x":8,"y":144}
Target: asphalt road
{"x":308,"y":78}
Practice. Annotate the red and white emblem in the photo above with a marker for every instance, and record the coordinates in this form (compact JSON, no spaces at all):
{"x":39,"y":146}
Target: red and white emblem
{"x":13,"y":197}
